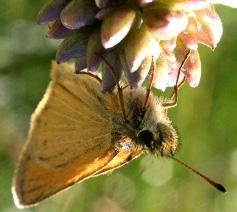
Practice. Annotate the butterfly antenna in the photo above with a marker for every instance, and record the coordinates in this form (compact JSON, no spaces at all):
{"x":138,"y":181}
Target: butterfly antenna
{"x":120,"y":90}
{"x":148,"y":90}
{"x":218,"y":186}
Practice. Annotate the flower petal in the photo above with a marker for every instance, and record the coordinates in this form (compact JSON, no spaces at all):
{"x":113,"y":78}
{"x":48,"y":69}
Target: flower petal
{"x":101,"y":3}
{"x":80,"y":64}
{"x":73,"y":46}
{"x":137,"y":46}
{"x":192,"y":69}
{"x":103,"y":13}
{"x":163,"y":22}
{"x":94,"y":50}
{"x":206,"y":28}
{"x":110,"y":77}
{"x":51,"y":11}
{"x":116,"y":26}
{"x":211,"y":27}
{"x":78,"y":13}
{"x":190,"y":5}
{"x":174,"y":60}
{"x":136,"y":78}
{"x":161,"y":77}
{"x":145,"y":3}
{"x":57,"y":30}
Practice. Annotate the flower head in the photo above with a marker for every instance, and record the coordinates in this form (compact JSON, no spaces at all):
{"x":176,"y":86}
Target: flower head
{"x":131,"y":33}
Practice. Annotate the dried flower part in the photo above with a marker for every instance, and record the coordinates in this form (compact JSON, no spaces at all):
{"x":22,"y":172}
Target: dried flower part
{"x":132,"y":33}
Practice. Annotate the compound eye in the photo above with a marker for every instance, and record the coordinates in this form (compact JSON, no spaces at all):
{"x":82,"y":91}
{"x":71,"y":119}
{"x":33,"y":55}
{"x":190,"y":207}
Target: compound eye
{"x":145,"y":137}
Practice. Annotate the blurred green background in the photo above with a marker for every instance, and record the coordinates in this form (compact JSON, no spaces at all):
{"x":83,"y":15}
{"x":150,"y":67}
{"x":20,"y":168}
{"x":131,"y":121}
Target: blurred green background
{"x":205,"y":116}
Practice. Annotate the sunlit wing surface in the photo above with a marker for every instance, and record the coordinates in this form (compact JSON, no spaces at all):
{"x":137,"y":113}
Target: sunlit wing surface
{"x":123,"y":157}
{"x":69,"y":137}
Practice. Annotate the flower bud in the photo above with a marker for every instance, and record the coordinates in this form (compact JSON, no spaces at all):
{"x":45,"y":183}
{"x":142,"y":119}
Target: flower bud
{"x":161,"y":77}
{"x":190,"y":5}
{"x":94,"y":50}
{"x":145,"y":3}
{"x":80,"y":64}
{"x":57,"y":30}
{"x":211,"y":27}
{"x":51,"y":11}
{"x":73,"y":46}
{"x":137,"y":78}
{"x":192,"y":69}
{"x":101,"y":3}
{"x":109,"y":76}
{"x":78,"y":13}
{"x":136,"y":47}
{"x":116,"y":26}
{"x":164,"y":23}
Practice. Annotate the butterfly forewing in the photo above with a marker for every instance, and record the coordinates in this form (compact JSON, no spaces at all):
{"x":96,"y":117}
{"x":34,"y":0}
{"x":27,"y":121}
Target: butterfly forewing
{"x":69,"y":138}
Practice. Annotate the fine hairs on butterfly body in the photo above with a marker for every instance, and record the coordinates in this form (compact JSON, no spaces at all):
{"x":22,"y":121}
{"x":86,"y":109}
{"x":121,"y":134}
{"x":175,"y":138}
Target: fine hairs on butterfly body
{"x":99,"y":140}
{"x":77,"y":132}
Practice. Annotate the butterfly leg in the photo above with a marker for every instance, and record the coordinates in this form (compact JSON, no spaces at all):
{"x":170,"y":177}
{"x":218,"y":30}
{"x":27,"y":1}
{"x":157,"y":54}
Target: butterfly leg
{"x":148,"y":90}
{"x":172,"y":101}
{"x":120,"y":90}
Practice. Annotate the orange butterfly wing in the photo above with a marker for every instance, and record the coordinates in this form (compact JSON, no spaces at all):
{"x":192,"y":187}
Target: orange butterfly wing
{"x":69,"y":137}
{"x":127,"y":152}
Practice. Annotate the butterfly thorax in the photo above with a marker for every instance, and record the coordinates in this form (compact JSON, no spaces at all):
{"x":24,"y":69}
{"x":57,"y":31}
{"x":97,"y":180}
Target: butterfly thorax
{"x":148,"y":127}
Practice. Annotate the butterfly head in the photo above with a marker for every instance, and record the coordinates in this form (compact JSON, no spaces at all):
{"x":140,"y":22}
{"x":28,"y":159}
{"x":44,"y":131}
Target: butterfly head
{"x":152,"y":127}
{"x":161,"y":140}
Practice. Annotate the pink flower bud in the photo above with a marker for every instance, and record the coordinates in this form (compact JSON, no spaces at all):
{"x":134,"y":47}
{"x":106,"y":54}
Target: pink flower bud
{"x":192,"y":69}
{"x":138,"y":44}
{"x":116,"y":26}
{"x":161,"y":77}
{"x":145,"y":3}
{"x":211,"y":29}
{"x":206,"y":28}
{"x":137,"y":78}
{"x":190,"y":5}
{"x":165,"y":24}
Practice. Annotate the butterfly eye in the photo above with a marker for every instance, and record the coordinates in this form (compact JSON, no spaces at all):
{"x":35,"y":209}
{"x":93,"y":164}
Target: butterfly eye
{"x":145,"y":137}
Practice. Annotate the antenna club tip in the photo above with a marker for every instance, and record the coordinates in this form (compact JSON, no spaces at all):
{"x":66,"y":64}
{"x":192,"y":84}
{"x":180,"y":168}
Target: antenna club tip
{"x":221,"y":188}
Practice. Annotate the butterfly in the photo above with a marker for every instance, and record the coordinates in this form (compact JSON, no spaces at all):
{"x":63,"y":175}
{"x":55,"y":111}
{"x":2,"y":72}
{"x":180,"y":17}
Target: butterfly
{"x":77,"y":132}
